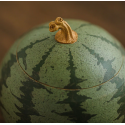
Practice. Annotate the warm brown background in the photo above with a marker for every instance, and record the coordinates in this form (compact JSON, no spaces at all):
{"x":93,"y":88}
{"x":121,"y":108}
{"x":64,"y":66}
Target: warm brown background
{"x":16,"y":18}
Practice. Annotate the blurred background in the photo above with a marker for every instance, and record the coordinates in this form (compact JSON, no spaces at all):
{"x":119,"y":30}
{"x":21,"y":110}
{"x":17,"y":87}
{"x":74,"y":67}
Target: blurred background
{"x":18,"y":17}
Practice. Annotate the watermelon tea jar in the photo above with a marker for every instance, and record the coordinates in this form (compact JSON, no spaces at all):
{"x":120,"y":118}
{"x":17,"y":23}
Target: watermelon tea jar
{"x":77,"y":75}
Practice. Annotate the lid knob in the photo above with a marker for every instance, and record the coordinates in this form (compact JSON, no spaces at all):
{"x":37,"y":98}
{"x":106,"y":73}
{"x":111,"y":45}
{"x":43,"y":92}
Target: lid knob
{"x":66,"y":34}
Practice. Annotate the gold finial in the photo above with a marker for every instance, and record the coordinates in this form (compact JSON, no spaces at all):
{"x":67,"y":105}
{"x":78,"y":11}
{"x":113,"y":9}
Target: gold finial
{"x":66,"y":34}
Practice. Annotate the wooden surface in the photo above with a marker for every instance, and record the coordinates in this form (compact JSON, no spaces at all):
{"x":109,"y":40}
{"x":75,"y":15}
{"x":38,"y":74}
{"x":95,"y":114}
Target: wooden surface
{"x":16,"y":18}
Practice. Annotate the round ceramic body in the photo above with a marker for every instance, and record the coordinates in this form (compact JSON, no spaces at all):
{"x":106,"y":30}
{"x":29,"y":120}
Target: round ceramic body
{"x":42,"y":80}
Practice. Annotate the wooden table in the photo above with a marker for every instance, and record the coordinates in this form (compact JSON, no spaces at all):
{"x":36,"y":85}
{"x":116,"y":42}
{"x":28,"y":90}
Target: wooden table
{"x":16,"y":18}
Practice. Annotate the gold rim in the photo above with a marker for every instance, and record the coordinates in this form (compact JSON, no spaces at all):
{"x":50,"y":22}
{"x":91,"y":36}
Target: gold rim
{"x":63,"y":88}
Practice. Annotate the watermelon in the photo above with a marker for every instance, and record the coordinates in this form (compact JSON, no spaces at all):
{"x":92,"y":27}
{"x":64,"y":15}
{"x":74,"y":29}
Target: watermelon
{"x":43,"y":80}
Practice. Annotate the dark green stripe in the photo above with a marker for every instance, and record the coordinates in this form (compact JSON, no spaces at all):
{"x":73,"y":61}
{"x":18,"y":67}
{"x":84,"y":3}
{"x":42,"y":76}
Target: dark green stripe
{"x":27,"y":89}
{"x":119,"y":85}
{"x":73,"y":79}
{"x":74,"y":100}
{"x":5,"y":73}
{"x":110,"y":72}
{"x":109,"y":42}
{"x":36,"y":69}
{"x":121,"y":102}
{"x":120,"y":93}
{"x":116,"y":80}
{"x":22,"y":53}
{"x":83,"y":25}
